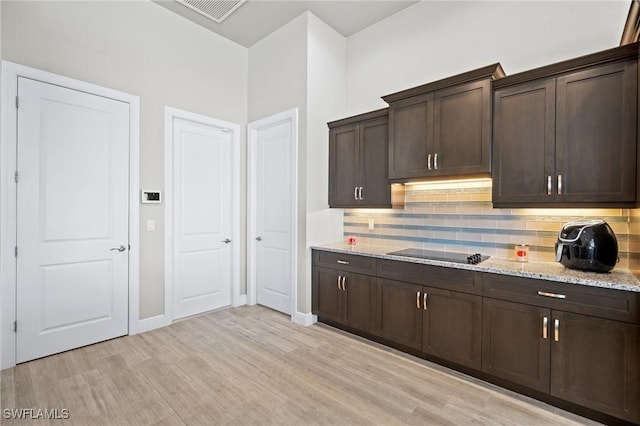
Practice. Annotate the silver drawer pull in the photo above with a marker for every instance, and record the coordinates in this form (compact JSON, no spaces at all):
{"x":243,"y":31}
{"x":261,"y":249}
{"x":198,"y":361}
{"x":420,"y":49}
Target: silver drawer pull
{"x":556,"y":330}
{"x":545,"y":325}
{"x":554,"y":295}
{"x":343,"y":262}
{"x":549,"y":185}
{"x":418,"y":299}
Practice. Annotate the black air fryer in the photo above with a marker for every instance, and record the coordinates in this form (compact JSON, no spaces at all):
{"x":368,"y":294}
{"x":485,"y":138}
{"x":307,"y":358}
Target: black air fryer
{"x":588,"y":245}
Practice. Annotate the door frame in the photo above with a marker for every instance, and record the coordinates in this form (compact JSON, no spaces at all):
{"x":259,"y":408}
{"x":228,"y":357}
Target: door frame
{"x":8,"y":161}
{"x":252,"y":140}
{"x":169,"y":115}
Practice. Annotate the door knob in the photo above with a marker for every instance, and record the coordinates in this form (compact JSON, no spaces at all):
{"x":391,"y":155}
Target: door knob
{"x":226,"y":241}
{"x":258,"y":238}
{"x":120,"y":248}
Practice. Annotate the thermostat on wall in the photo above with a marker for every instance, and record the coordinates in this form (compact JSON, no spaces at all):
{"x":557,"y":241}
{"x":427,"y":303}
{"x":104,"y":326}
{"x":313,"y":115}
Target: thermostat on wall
{"x":151,"y":196}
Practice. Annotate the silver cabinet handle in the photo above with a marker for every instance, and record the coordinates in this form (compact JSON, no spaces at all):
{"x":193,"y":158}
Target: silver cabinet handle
{"x":360,"y":194}
{"x":339,"y":281}
{"x":344,"y":283}
{"x":554,"y":295}
{"x":355,"y":193}
{"x":120,"y":248}
{"x":429,"y":162}
{"x":435,"y":161}
{"x":258,"y":238}
{"x":343,"y":262}
{"x":545,"y":323}
{"x":424,"y":300}
{"x":559,"y":184}
{"x":556,"y":332}
{"x":226,"y":241}
{"x":418,"y":300}
{"x":549,"y":185}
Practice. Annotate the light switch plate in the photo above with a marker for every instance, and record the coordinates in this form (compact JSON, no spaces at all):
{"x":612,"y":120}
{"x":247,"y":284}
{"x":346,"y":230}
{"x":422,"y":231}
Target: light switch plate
{"x":371,"y":225}
{"x":151,"y":225}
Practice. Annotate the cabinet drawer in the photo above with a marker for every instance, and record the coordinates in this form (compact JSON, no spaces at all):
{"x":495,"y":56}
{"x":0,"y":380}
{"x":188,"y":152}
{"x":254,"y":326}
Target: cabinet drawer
{"x":596,"y":301}
{"x":345,"y":262}
{"x":434,"y":276}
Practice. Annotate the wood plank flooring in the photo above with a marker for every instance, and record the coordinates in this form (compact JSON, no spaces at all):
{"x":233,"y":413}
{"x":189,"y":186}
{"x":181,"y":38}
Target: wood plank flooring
{"x":253,"y":366}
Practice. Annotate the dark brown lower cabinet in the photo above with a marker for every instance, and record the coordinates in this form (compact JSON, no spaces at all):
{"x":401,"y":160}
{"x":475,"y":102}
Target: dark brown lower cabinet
{"x":594,"y":363}
{"x":398,"y":319}
{"x":451,"y":326}
{"x":345,"y":297}
{"x":514,"y":345}
{"x":574,"y":346}
{"x":438,"y":322}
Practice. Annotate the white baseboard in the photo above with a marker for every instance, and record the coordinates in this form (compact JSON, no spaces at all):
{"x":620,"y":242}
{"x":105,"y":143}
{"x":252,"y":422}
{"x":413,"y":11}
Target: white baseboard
{"x":305,"y":319}
{"x":152,"y":323}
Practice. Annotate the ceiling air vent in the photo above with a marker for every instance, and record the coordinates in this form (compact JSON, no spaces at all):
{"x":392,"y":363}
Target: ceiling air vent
{"x":216,"y":10}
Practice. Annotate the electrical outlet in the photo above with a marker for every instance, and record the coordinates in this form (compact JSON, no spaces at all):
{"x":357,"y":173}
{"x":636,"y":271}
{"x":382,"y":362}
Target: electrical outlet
{"x":151,"y":225}
{"x":371,"y":225}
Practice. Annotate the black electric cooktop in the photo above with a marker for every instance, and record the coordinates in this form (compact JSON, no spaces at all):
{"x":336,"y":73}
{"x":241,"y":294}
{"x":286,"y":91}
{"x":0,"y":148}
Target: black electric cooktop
{"x":446,"y":256}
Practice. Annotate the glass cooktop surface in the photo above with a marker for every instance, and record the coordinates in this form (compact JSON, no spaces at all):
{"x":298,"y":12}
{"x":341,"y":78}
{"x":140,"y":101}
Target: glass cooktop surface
{"x":446,"y":256}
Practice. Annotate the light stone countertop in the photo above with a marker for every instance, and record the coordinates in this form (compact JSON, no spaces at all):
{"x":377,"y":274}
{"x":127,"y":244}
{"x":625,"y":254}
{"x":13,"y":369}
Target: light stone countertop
{"x":619,"y":279}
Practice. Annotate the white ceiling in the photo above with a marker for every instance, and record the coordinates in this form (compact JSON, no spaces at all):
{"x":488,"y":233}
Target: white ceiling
{"x":256,"y":19}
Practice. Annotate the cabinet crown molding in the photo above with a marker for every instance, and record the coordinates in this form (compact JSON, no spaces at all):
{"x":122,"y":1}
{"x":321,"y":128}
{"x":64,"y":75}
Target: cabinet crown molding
{"x":615,"y":54}
{"x":493,"y":71}
{"x":379,"y":113}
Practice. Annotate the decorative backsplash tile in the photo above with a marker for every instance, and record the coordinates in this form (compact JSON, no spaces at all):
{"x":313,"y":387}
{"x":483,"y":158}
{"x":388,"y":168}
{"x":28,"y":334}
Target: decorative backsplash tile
{"x":458,"y":216}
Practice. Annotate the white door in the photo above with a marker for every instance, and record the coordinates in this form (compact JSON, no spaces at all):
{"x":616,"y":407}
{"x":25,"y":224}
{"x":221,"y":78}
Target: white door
{"x":273,"y":188}
{"x":202,"y":205}
{"x":72,"y":219}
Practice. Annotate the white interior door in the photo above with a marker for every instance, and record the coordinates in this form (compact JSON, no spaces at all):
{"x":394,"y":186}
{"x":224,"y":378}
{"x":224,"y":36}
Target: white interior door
{"x":72,"y":219}
{"x":273,"y":194}
{"x":202,"y":205}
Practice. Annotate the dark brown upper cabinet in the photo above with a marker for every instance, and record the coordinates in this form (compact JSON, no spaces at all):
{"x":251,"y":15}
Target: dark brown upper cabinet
{"x":565,"y":135}
{"x":442,"y":129}
{"x":358,"y":150}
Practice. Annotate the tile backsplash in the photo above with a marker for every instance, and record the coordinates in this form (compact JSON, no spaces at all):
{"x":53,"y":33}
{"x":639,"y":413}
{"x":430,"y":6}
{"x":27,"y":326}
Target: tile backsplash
{"x":458,"y":216}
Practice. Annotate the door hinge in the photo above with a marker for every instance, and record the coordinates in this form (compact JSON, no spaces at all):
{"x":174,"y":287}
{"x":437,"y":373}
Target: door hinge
{"x":15,"y":326}
{"x":17,"y":103}
{"x":15,"y":176}
{"x":16,"y":251}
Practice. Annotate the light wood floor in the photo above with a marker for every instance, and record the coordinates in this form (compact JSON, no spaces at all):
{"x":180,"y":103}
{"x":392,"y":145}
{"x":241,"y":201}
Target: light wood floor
{"x":251,"y":365}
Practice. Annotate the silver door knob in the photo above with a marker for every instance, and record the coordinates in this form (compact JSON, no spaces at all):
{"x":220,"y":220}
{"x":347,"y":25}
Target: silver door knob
{"x":120,"y":248}
{"x":258,"y":238}
{"x":226,"y":241}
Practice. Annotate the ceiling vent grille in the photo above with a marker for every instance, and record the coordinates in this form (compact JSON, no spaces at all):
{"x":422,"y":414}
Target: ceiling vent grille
{"x":216,"y":10}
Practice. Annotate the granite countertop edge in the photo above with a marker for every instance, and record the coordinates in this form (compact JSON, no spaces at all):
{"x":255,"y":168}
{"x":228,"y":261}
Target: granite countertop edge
{"x":617,"y":279}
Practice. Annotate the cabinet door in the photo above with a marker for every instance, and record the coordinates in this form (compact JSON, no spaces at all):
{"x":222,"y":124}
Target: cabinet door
{"x":410,"y":137}
{"x":374,"y":163}
{"x":515,"y":345}
{"x":343,"y":165}
{"x":399,"y":313}
{"x":594,"y":363}
{"x":524,"y":143}
{"x":359,"y":301}
{"x":328,"y":294}
{"x":451,"y":326}
{"x":596,"y":134}
{"x":462,"y":130}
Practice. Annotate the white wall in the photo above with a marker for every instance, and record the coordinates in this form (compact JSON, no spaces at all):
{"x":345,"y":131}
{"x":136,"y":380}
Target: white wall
{"x":326,"y":101}
{"x":303,"y":65}
{"x":146,"y":50}
{"x":437,"y":39}
{"x":278,"y":82}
